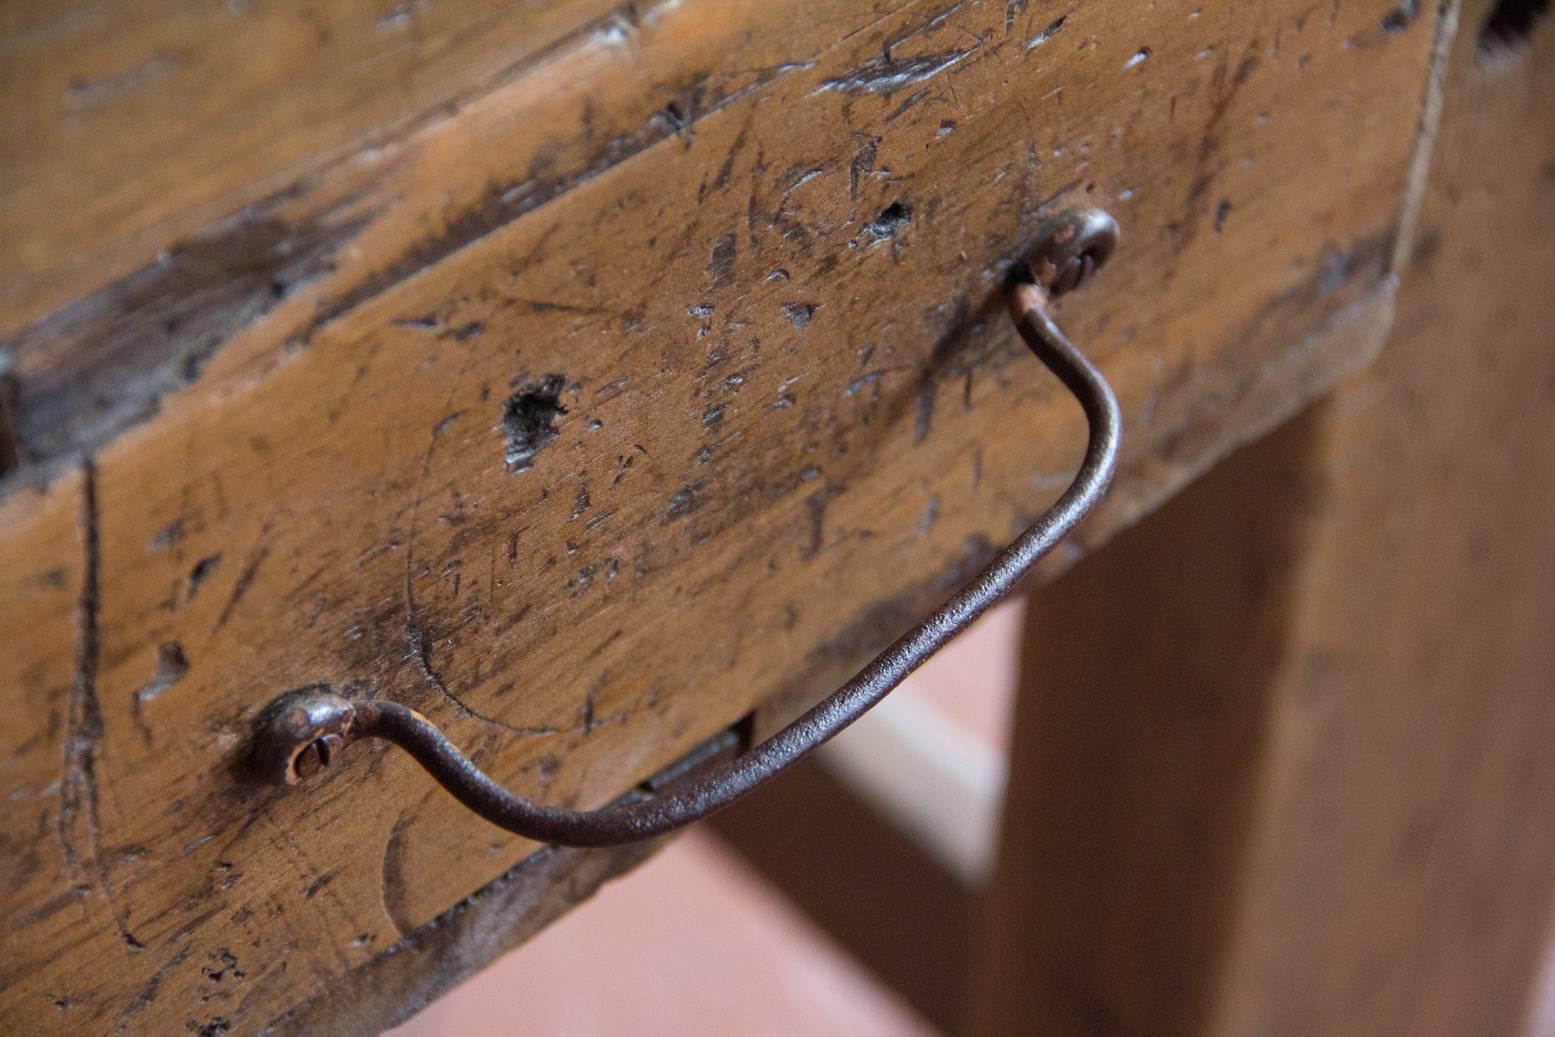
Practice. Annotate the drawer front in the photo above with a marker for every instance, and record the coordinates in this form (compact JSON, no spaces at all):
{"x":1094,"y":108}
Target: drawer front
{"x":664,"y":378}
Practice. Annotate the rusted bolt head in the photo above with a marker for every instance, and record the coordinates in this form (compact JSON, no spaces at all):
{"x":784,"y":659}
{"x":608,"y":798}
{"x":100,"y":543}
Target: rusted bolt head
{"x":315,"y":756}
{"x":1073,"y":248}
{"x":297,"y":734}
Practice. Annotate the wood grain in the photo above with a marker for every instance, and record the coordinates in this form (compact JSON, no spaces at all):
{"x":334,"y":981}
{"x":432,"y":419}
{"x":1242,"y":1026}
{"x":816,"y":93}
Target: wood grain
{"x":510,"y":417}
{"x":124,"y":132}
{"x":1284,"y":764}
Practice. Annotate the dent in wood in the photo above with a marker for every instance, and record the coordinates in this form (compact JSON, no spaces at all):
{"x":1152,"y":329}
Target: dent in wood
{"x":1508,"y":25}
{"x":170,"y":669}
{"x":529,"y":420}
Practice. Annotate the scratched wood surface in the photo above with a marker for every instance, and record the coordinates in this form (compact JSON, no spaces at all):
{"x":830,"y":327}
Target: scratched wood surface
{"x":1318,"y":781}
{"x":551,"y":415}
{"x":123,"y":132}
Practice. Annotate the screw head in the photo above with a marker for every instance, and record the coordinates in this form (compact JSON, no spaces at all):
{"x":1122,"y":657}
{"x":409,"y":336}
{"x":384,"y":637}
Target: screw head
{"x":315,"y":756}
{"x":297,"y":735}
{"x":1072,"y":248}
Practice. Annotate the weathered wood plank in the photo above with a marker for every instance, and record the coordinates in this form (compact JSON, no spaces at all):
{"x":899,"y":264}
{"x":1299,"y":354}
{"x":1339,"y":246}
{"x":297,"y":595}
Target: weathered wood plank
{"x":1149,"y":674}
{"x":124,"y":131}
{"x":668,"y":331}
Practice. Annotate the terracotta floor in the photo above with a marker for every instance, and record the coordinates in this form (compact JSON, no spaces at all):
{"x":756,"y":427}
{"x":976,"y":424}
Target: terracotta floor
{"x":691,"y":943}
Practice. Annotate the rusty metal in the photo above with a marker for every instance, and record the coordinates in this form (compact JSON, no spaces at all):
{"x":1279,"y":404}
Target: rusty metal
{"x":1074,"y":248}
{"x":300,"y":733}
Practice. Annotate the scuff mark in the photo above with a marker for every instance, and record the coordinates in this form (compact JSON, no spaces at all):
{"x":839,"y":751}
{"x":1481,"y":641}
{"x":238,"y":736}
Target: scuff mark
{"x":633,"y":321}
{"x":80,"y":822}
{"x":198,"y":575}
{"x":799,"y":313}
{"x":796,"y":177}
{"x":928,"y":517}
{"x":84,"y":94}
{"x":721,"y":265}
{"x":913,"y":100}
{"x":171,"y":667}
{"x":418,"y":644}
{"x":945,"y":346}
{"x":923,"y":405}
{"x":170,"y":535}
{"x":1052,"y":29}
{"x":1222,"y":213}
{"x":862,"y":165}
{"x":815,"y":514}
{"x":1225,"y":93}
{"x":886,"y":75}
{"x":317,"y":885}
{"x":447,"y":423}
{"x":556,"y":306}
{"x":240,"y":588}
{"x":147,"y":995}
{"x":684,"y":501}
{"x":502,"y":204}
{"x":49,"y":908}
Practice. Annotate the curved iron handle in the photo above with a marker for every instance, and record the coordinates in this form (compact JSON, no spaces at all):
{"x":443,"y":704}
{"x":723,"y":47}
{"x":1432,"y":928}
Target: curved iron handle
{"x":299,"y":732}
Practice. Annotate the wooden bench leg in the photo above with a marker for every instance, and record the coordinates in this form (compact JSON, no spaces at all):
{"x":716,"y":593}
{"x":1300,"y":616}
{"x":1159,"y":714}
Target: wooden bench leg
{"x":1149,"y":675}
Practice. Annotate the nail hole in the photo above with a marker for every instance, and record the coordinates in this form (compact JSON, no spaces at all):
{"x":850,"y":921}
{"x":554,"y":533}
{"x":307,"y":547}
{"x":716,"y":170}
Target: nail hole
{"x":1400,"y":18}
{"x":529,"y":420}
{"x":1509,"y":25}
{"x":891,"y":219}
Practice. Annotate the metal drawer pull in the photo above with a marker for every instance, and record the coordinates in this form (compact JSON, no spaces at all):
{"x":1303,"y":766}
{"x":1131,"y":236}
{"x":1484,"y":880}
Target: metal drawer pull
{"x":299,"y":733}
